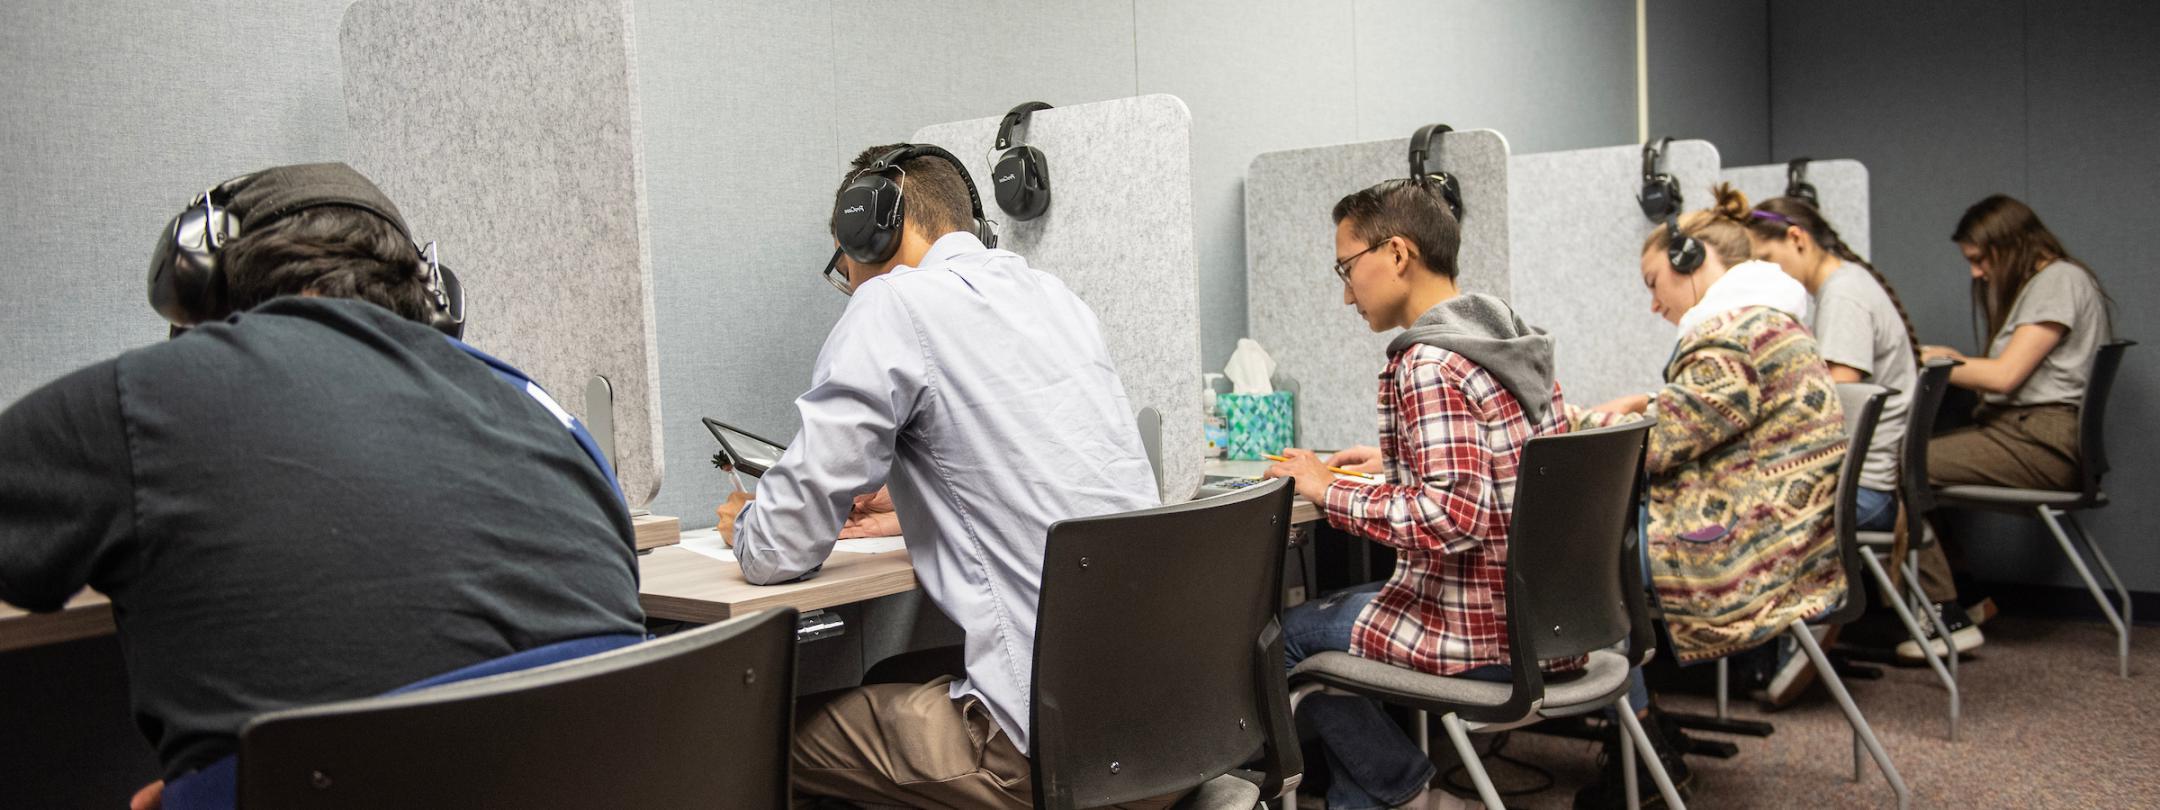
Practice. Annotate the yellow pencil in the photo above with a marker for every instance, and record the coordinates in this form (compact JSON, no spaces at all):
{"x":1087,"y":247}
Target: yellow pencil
{"x":1335,"y":470}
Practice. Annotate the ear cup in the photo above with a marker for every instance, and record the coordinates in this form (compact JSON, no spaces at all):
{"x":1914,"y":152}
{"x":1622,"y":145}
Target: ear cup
{"x":1450,"y":192}
{"x":448,"y":296}
{"x":1684,"y":251}
{"x":186,"y":285}
{"x":1660,"y":197}
{"x":1796,"y":184}
{"x":1021,"y":182}
{"x":866,"y":218}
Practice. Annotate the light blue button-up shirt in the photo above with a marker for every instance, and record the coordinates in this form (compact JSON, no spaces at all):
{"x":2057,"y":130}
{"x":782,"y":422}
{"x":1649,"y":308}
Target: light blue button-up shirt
{"x":981,"y":392}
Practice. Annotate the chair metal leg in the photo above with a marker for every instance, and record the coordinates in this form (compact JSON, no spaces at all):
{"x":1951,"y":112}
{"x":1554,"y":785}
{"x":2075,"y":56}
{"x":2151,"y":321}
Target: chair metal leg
{"x":1627,"y":763}
{"x":2107,"y":606}
{"x":1461,"y":737}
{"x":1637,"y":738}
{"x":1919,"y":636}
{"x":1724,"y":687}
{"x":1424,"y":733}
{"x":2122,"y":631}
{"x":1935,"y":619}
{"x":1859,"y":757}
{"x":1860,"y":727}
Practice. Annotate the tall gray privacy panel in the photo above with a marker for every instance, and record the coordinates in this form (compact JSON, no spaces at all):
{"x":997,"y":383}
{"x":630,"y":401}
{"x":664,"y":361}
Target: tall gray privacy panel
{"x":1294,"y":301}
{"x":1576,"y":236}
{"x":1119,"y":232}
{"x":1841,"y":193}
{"x":509,"y":132}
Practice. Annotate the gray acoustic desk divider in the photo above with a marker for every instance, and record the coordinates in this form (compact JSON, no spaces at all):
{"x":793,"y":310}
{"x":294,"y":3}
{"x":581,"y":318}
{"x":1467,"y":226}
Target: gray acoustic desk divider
{"x":1577,"y":261}
{"x":1841,"y":187}
{"x":1294,"y":300}
{"x":508,"y":132}
{"x":1119,"y":232}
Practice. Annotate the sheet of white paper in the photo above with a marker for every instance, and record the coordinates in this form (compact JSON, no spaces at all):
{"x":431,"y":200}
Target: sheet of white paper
{"x":708,"y":543}
{"x":872,"y":545}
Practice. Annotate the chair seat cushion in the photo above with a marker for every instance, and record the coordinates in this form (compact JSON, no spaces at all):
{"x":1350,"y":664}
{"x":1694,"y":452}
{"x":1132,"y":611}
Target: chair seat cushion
{"x":1975,"y":495}
{"x":1605,"y":675}
{"x":1225,"y":792}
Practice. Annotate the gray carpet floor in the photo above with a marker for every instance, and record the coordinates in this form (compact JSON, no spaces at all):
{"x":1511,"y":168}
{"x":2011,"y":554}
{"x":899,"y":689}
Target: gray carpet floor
{"x":2047,"y":723}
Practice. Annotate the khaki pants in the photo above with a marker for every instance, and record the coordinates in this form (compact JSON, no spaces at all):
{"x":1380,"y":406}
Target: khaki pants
{"x":2028,"y":448}
{"x":910,"y":745}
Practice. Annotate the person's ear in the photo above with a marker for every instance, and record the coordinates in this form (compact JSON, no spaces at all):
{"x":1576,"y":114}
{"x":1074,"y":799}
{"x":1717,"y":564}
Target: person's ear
{"x":1401,"y":249}
{"x":1799,"y":238}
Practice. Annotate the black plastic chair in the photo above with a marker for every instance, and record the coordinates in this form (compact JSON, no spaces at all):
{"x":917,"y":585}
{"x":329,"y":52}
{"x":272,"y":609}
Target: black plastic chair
{"x":697,"y":719}
{"x":1917,"y":501}
{"x":2052,"y":504}
{"x":1158,"y":656}
{"x":1863,"y":404}
{"x":1574,"y":578}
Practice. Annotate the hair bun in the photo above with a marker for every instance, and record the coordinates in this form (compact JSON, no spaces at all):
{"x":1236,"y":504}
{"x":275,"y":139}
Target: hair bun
{"x":1730,"y":203}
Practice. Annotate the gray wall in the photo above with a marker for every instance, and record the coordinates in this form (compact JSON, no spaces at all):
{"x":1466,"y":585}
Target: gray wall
{"x":1709,"y":65}
{"x":2051,"y":102}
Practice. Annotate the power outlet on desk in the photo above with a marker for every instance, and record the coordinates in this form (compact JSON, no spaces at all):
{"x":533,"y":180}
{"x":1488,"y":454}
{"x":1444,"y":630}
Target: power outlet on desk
{"x":819,"y":624}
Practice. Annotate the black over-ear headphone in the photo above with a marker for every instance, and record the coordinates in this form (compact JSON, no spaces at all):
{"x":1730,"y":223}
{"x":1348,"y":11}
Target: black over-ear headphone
{"x":1020,"y":177}
{"x":1660,"y":197}
{"x":1684,"y":251}
{"x":869,"y":212}
{"x":1421,"y":149}
{"x":188,"y":285}
{"x":1796,"y":184}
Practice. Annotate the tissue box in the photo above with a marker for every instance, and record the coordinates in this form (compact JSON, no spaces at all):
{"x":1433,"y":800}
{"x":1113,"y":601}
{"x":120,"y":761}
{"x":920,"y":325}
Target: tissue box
{"x":1259,"y":423}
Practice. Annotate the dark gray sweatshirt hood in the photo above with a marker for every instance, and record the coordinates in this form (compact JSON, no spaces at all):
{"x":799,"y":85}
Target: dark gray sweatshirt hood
{"x":1484,"y":330}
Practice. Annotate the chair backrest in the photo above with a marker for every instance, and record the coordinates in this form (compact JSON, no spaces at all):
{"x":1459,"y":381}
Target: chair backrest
{"x":1916,"y":494}
{"x":1158,"y":651}
{"x":701,"y":718}
{"x":2092,"y":416}
{"x":1863,"y":409}
{"x":1574,"y":580}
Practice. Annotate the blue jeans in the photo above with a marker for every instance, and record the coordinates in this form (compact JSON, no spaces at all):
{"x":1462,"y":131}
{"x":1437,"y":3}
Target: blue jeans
{"x":1877,"y":512}
{"x":1371,"y":764}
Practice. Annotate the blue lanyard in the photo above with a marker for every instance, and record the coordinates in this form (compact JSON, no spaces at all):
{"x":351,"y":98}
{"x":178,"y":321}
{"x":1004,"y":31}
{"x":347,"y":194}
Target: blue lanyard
{"x":517,"y":379}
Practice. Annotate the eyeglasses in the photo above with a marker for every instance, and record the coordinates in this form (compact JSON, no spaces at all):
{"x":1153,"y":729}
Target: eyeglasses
{"x":837,"y":277}
{"x":1342,"y":265}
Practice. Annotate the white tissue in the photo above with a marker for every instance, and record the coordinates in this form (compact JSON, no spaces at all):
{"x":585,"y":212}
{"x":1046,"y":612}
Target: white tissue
{"x":1251,"y":370}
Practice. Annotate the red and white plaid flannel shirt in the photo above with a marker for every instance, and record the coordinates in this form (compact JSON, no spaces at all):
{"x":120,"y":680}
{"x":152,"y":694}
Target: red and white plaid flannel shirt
{"x":1451,"y":437}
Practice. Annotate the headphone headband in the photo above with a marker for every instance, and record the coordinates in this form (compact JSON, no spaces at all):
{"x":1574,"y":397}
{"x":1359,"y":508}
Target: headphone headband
{"x":910,"y":151}
{"x":1017,"y":118}
{"x":1421,"y":149}
{"x":1796,"y":184}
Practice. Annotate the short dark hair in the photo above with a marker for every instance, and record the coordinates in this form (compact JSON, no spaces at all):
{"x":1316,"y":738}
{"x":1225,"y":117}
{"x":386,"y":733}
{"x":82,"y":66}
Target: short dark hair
{"x":932,"y":191}
{"x":1411,"y":209}
{"x":331,"y":251}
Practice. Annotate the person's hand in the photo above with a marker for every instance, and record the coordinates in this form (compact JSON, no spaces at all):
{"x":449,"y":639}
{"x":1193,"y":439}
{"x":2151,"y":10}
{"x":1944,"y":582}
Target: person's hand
{"x":150,"y":797}
{"x":871,"y":524}
{"x":1932,"y":352}
{"x":879,"y":501}
{"x":1634,"y":403}
{"x":1308,"y":474}
{"x":727,"y":513}
{"x":1360,"y":458}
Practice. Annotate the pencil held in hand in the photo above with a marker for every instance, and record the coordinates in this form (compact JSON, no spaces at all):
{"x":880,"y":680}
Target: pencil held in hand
{"x":1362,"y":476}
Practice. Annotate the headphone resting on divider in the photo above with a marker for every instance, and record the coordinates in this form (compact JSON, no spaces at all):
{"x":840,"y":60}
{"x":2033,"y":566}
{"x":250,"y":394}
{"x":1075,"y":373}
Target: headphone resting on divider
{"x":1020,"y":177}
{"x":1660,"y":196}
{"x":1796,"y":184}
{"x":868,"y":215}
{"x":188,"y":283}
{"x":1421,"y":148}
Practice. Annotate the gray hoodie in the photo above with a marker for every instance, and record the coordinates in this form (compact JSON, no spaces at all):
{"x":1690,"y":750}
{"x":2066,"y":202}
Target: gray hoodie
{"x":1485,"y":331}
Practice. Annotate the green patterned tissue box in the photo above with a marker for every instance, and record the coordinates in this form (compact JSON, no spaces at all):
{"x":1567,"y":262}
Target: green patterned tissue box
{"x":1259,"y":423}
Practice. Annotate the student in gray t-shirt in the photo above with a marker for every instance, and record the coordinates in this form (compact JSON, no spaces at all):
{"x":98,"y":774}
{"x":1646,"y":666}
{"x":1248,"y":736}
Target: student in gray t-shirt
{"x":2049,"y":317}
{"x":1860,"y":327}
{"x":1865,"y":336}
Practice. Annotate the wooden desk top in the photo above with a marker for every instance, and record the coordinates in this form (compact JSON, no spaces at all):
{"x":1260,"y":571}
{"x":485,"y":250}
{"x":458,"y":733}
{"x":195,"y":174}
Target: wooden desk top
{"x":683,"y":585}
{"x":88,"y":615}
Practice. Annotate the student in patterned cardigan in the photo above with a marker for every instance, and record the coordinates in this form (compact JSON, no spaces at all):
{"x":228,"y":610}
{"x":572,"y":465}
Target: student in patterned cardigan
{"x":1743,"y":461}
{"x":1467,"y":384}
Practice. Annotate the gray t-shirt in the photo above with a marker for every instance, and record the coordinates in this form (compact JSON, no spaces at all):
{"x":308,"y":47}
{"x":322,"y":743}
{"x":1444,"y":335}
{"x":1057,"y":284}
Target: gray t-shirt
{"x":1857,"y":325}
{"x":2060,"y":293}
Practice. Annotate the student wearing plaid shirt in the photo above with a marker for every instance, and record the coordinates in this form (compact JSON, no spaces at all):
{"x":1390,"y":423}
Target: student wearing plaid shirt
{"x":1466,"y":385}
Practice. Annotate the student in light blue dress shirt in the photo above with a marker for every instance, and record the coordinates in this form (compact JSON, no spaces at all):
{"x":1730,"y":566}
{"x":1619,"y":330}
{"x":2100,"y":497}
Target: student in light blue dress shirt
{"x":978,"y":392}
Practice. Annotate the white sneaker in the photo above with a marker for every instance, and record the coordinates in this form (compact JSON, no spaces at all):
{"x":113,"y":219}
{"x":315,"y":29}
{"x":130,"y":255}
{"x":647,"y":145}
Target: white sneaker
{"x":1962,"y":630}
